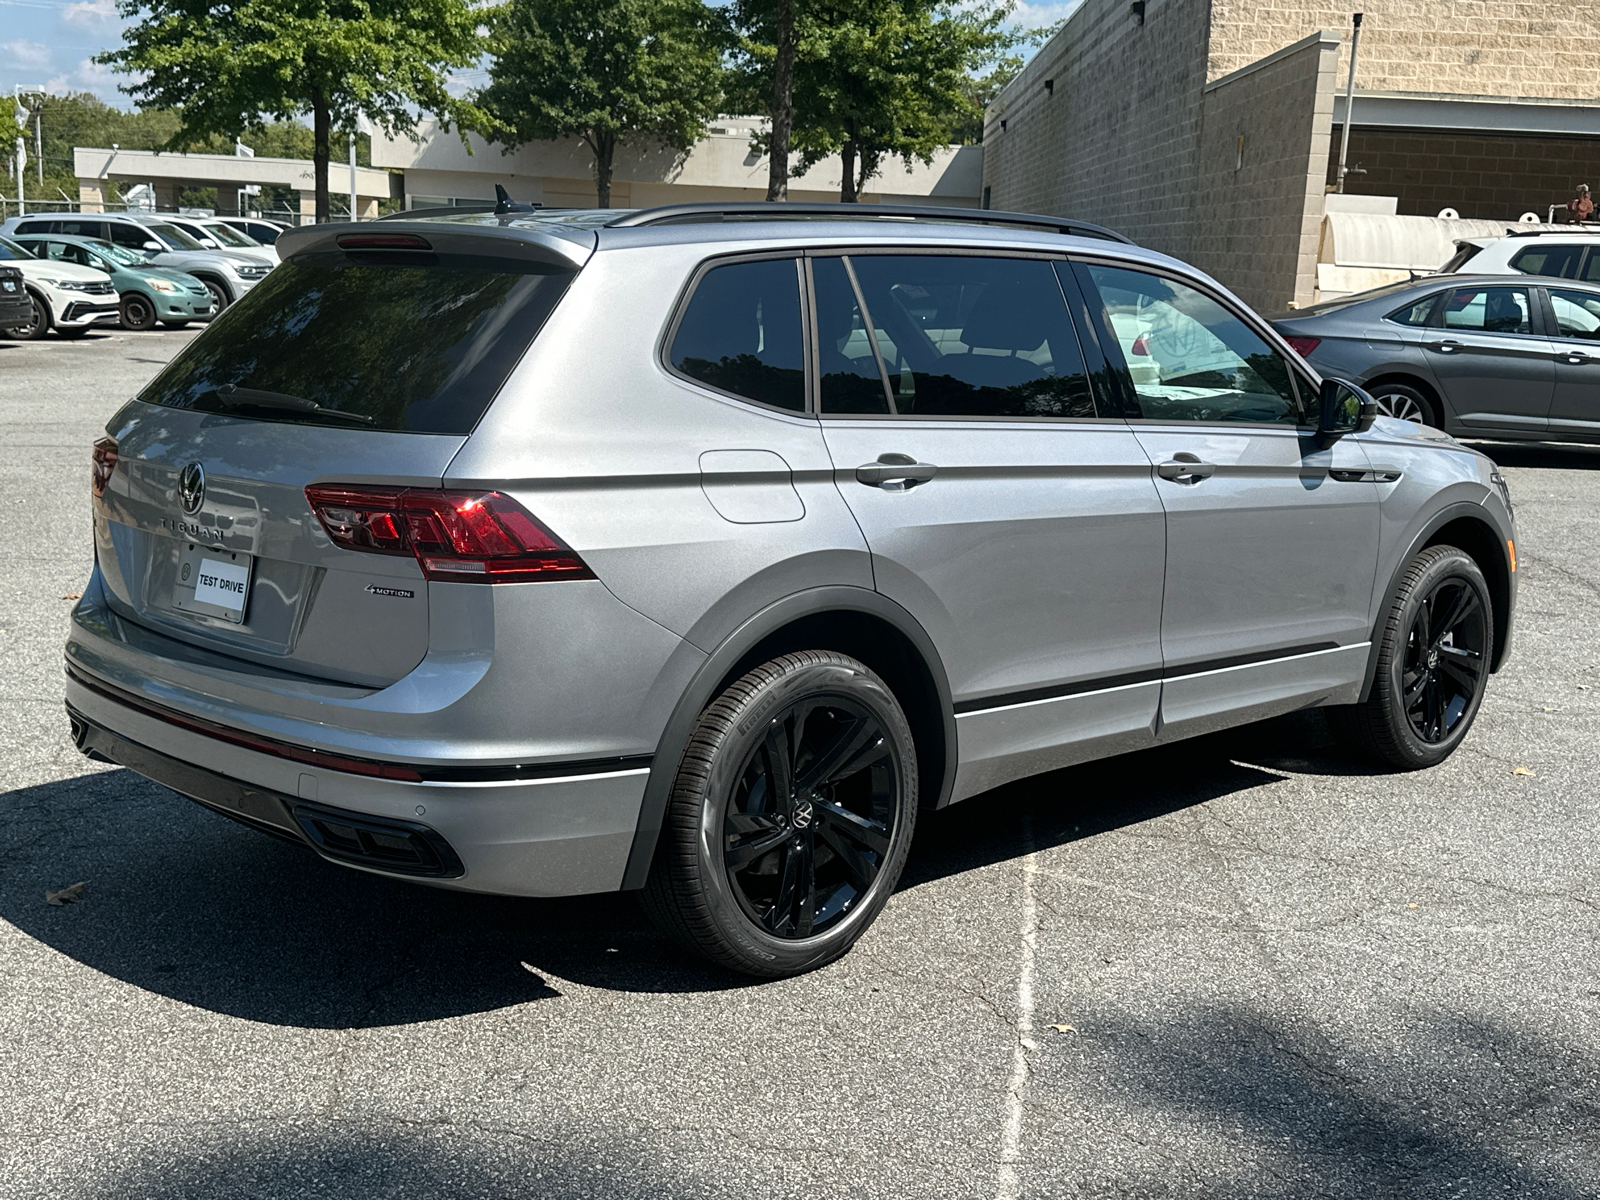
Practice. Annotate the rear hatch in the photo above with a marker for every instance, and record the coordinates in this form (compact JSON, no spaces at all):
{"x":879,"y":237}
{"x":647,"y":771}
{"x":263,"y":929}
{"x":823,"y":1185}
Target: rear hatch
{"x":365,"y":365}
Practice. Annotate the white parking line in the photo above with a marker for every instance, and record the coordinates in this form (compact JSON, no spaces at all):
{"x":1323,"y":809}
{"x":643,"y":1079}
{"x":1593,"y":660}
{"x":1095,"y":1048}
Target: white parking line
{"x":1010,"y":1183}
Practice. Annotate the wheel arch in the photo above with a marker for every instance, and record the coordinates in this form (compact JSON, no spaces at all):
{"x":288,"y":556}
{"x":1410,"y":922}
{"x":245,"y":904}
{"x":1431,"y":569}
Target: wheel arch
{"x":851,"y":620}
{"x":1411,"y":380}
{"x":205,"y":275}
{"x":1467,"y":527}
{"x":43,"y":302}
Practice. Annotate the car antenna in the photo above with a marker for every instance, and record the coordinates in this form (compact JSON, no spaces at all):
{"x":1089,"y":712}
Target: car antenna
{"x":505,"y":204}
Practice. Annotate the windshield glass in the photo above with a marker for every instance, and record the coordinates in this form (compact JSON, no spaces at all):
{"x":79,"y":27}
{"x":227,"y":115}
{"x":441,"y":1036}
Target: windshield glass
{"x":417,"y":343}
{"x":175,"y":238}
{"x":228,"y":235}
{"x":10,"y":250}
{"x":117,"y":254}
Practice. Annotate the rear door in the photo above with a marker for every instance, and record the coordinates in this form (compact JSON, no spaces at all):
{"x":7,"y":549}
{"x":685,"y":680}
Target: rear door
{"x":1272,"y":542}
{"x":1574,"y":319}
{"x":1491,"y":359}
{"x":1018,"y":525}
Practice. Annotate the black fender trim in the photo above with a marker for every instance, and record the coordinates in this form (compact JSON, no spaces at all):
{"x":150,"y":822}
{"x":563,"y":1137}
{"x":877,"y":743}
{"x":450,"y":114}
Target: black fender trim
{"x":1450,"y":512}
{"x":708,"y":679}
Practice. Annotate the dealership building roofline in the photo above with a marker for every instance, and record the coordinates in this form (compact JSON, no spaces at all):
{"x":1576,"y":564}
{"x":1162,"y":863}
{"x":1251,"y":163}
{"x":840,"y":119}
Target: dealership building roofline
{"x":170,"y":173}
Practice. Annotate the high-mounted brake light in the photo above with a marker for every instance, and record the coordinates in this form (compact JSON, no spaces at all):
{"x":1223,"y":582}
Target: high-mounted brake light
{"x":457,"y":537}
{"x":102,"y":462}
{"x":383,"y":241}
{"x":1303,"y":346}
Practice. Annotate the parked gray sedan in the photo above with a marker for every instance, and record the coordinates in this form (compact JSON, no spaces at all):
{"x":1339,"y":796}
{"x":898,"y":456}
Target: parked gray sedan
{"x":1475,"y":355}
{"x":696,"y":550}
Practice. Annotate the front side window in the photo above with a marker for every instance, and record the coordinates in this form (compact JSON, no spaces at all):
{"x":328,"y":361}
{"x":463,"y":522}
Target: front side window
{"x":964,"y":336}
{"x":1577,"y":314}
{"x":741,"y":333}
{"x":1190,"y":358}
{"x":129,"y":236}
{"x":851,"y":382}
{"x":1488,"y":310}
{"x":420,"y":345}
{"x":1559,"y":262}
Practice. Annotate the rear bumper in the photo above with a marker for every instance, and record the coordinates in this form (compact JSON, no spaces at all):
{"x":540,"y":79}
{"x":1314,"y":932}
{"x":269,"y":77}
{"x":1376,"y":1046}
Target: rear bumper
{"x":558,"y":835}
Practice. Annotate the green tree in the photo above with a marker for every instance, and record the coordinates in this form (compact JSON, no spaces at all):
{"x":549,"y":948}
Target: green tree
{"x":606,"y":71}
{"x":880,"y":79}
{"x":224,"y":68}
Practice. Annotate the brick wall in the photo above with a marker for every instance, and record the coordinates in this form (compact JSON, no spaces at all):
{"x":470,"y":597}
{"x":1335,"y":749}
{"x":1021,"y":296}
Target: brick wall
{"x":1498,"y":178}
{"x":1262,"y":170}
{"x":1473,"y":47}
{"x":1115,"y":139}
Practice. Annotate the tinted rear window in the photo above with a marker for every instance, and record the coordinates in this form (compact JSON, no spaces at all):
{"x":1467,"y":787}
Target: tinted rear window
{"x":419,"y":346}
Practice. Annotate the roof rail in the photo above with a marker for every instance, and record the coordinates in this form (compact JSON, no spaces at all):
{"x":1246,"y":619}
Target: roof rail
{"x":761,"y":210}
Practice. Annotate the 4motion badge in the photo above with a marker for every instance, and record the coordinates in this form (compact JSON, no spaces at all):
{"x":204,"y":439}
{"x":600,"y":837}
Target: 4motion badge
{"x":380,"y":590}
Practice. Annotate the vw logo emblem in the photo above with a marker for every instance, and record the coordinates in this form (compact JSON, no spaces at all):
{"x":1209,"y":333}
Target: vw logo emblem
{"x":803,"y":815}
{"x":192,"y":487}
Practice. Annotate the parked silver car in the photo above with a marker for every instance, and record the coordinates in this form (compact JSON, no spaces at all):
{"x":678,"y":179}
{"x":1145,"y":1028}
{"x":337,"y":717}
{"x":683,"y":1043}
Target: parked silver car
{"x":1475,"y":355}
{"x":694,"y":551}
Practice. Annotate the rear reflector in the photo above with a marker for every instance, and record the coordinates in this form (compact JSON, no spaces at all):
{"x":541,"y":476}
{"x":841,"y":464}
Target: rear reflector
{"x":457,"y":537}
{"x":1303,"y":346}
{"x":103,"y":461}
{"x":383,"y":241}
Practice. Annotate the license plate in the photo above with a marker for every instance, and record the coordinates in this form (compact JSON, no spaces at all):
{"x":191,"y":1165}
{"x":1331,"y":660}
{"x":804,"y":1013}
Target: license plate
{"x":214,"y":582}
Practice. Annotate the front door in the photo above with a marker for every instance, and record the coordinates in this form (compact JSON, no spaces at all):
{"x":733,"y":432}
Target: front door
{"x":1021,"y":529}
{"x":1271,"y":542}
{"x":1495,"y":368}
{"x":1575,"y":410}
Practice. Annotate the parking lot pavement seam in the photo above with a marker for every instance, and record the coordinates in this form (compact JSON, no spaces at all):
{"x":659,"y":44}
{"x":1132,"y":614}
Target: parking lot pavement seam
{"x":1009,"y":1182}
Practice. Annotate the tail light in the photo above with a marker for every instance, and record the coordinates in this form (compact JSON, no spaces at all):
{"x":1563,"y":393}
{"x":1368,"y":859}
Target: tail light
{"x":103,"y":461}
{"x":1303,"y":346}
{"x":1141,"y":347}
{"x":457,"y":537}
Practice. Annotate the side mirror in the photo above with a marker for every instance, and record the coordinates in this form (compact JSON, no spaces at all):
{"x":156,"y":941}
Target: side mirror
{"x":154,"y":246}
{"x":1345,"y":408}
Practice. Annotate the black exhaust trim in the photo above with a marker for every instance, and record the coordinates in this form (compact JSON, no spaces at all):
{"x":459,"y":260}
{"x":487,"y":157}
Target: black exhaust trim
{"x":401,"y":847}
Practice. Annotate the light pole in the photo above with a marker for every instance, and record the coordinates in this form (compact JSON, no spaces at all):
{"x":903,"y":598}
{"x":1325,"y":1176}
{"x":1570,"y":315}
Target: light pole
{"x":21,"y":114}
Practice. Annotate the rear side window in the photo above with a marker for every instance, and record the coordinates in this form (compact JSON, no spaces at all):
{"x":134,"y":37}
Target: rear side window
{"x":1488,"y":310}
{"x":974,"y":337}
{"x":131,"y":236}
{"x":741,"y":333}
{"x":419,"y":343}
{"x":1558,"y":262}
{"x":94,"y":229}
{"x":1415,"y":314}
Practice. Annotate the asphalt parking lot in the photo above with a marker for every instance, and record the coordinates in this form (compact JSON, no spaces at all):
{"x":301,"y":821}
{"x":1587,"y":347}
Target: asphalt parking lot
{"x":1240,"y":967}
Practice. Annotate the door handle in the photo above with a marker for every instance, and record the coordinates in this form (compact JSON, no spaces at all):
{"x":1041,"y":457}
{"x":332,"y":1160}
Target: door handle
{"x":1448,"y":346}
{"x":895,"y":472}
{"x":1185,"y":468}
{"x":1576,"y":357}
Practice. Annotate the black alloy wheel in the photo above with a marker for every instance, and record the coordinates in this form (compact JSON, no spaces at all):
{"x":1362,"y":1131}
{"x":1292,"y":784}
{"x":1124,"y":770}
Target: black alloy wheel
{"x":138,"y":313}
{"x":1434,"y":651}
{"x":37,"y":326}
{"x":808,"y":826}
{"x":790,"y":818}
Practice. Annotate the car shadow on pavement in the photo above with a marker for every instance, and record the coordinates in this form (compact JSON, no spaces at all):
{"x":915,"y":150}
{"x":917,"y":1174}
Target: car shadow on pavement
{"x":185,"y":903}
{"x":1562,"y":457}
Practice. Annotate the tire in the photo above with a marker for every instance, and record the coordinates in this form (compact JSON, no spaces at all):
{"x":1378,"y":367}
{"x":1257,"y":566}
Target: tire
{"x":1406,"y":402}
{"x":38,"y":327}
{"x":176,"y":324}
{"x":1430,"y":681}
{"x":219,"y":296}
{"x":730,"y":873}
{"x":138,"y":313}
{"x":72,"y":332}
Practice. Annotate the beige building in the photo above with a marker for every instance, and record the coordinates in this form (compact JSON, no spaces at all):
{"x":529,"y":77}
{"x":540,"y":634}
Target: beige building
{"x":170,"y":174}
{"x":441,"y":170}
{"x":1210,"y":128}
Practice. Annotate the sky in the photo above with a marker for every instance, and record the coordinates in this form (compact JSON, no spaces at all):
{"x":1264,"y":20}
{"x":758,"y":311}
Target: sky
{"x":53,"y":43}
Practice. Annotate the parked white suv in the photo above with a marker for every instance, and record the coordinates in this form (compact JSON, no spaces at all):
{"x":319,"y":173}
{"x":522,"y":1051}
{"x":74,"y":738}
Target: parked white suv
{"x":66,"y":297}
{"x":1558,"y":253}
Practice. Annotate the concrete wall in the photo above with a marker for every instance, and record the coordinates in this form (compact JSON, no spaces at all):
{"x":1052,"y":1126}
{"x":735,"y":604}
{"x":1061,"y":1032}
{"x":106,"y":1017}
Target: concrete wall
{"x":1474,"y":47}
{"x":719,"y":167}
{"x":1103,"y":124}
{"x":1478,"y":175}
{"x":1263,"y":166}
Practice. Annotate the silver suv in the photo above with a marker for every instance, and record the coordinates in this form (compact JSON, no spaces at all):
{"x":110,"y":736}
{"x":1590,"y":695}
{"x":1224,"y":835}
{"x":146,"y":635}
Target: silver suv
{"x":696,"y":550}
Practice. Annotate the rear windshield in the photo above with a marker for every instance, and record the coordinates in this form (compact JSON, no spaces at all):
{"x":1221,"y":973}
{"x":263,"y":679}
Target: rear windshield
{"x":409,"y":343}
